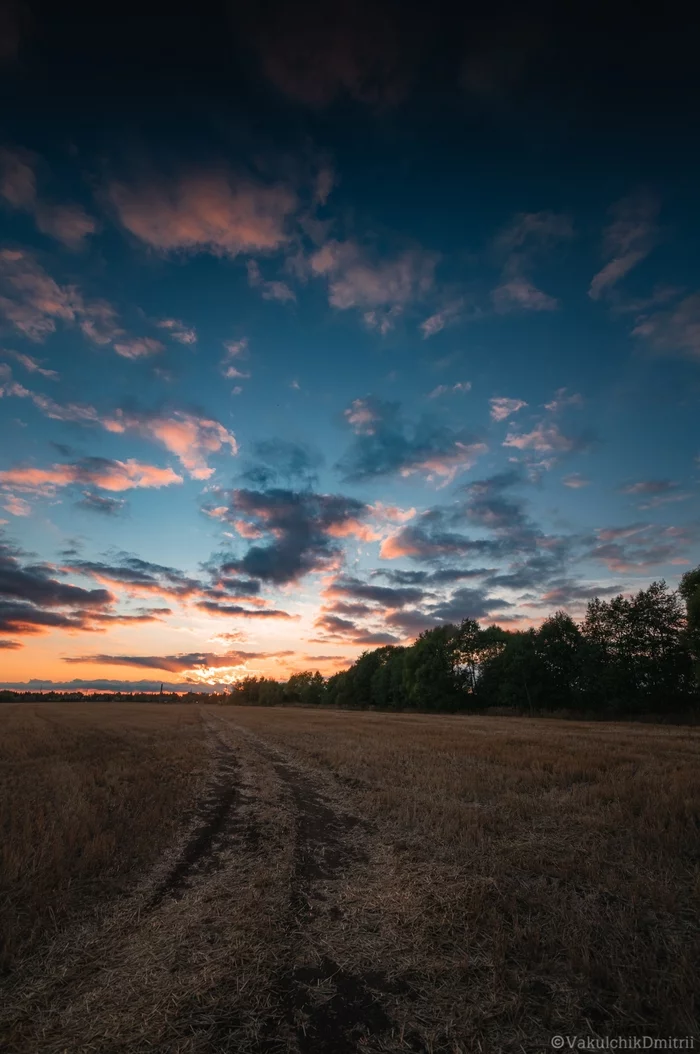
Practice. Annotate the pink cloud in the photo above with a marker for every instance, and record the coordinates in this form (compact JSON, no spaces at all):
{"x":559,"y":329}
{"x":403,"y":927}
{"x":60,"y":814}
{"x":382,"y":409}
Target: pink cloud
{"x":561,"y":400}
{"x":139,"y":348}
{"x":16,"y":506}
{"x":398,"y":545}
{"x":17,"y":179}
{"x":213,"y":212}
{"x":178,"y":330}
{"x":32,"y":366}
{"x":357,"y":281}
{"x":269,"y":290}
{"x":575,"y":481}
{"x":354,"y":529}
{"x":391,"y":513}
{"x":521,"y":293}
{"x":190,"y":438}
{"x":544,"y":438}
{"x":33,"y":302}
{"x":68,"y":224}
{"x":107,"y":474}
{"x":362,"y":416}
{"x":447,"y":389}
{"x":627,"y":240}
{"x":447,"y":465}
{"x":501,"y":408}
{"x":445,"y":317}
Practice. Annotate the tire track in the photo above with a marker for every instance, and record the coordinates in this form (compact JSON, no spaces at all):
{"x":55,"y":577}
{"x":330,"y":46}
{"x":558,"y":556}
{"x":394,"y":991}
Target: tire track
{"x":329,"y":1009}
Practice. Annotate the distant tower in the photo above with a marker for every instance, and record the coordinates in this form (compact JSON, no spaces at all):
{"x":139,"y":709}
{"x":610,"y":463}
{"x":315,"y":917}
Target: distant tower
{"x":161,"y":688}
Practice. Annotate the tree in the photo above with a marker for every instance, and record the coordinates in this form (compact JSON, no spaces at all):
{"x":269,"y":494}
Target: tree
{"x":689,"y":590}
{"x":306,"y":688}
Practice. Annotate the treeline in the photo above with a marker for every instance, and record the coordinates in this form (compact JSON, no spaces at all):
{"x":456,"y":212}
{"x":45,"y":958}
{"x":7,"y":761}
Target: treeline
{"x":629,"y":656}
{"x":8,"y":695}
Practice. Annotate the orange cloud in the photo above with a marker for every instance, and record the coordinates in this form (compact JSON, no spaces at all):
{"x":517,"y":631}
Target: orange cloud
{"x":212,"y":212}
{"x":99,"y":472}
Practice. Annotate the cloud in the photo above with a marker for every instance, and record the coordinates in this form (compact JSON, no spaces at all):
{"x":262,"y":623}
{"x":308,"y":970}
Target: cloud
{"x":655,"y":492}
{"x":268,"y":290}
{"x":10,"y":645}
{"x":501,"y":408}
{"x":450,"y":389}
{"x":140,"y":577}
{"x":138,"y":347}
{"x":674,"y":331}
{"x":520,"y":293}
{"x":178,"y":331}
{"x":189,"y":437}
{"x":68,"y":224}
{"x":386,"y":445}
{"x":33,"y":598}
{"x":467,"y":603}
{"x":545,"y":438}
{"x":317,"y":55}
{"x":32,"y":366}
{"x":520,"y":244}
{"x":627,"y":240}
{"x":16,"y":506}
{"x":212,"y":607}
{"x":215,"y":212}
{"x":347,"y":631}
{"x":110,"y":685}
{"x":33,"y":302}
{"x":561,"y":400}
{"x":98,"y":503}
{"x":301,"y":526}
{"x":196,"y":662}
{"x":281,"y":460}
{"x":105,"y":473}
{"x":387,"y":596}
{"x":575,"y":481}
{"x":382,"y":289}
{"x":447,"y":316}
{"x":639,"y":547}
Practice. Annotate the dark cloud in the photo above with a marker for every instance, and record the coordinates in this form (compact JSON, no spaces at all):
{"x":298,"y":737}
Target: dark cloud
{"x":278,"y":460}
{"x":639,"y":548}
{"x":340,"y":629}
{"x":177,"y":663}
{"x":212,"y":607}
{"x":385,"y":595}
{"x":468,"y":603}
{"x":411,"y":622}
{"x":386,"y":445}
{"x":316,"y":54}
{"x":105,"y":684}
{"x":303,"y":527}
{"x":141,"y":575}
{"x":96,"y":503}
{"x":32,"y":597}
{"x":10,"y":645}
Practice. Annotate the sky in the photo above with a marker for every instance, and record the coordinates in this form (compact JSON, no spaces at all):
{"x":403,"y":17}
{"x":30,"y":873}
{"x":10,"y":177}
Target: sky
{"x":323,"y":326}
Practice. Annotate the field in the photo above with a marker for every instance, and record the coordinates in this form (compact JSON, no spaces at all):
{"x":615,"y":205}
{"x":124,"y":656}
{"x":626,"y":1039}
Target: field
{"x":203,"y":879}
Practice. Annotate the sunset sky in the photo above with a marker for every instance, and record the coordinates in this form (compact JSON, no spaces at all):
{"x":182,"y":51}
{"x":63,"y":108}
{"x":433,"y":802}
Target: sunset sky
{"x":322,"y":325}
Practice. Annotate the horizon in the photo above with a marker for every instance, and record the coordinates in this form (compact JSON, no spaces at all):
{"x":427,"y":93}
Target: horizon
{"x":301,"y":356}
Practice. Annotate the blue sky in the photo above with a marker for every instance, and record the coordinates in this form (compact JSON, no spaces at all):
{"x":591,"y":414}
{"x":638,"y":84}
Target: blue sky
{"x":314,"y":337}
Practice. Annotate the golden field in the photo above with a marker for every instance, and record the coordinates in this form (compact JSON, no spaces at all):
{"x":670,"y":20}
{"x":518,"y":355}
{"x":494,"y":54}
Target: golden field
{"x":352,"y":881}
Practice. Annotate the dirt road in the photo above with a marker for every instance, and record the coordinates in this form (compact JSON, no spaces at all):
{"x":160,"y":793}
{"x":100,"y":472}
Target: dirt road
{"x":229,"y":945}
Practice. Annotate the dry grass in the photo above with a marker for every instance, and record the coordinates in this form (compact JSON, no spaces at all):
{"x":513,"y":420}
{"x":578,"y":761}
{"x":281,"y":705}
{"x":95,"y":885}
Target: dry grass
{"x":527,"y":876}
{"x":91,"y":794}
{"x":385,"y":883}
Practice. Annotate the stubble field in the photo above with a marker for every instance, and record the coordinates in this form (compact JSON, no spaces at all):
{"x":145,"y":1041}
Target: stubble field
{"x":213,"y":879}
